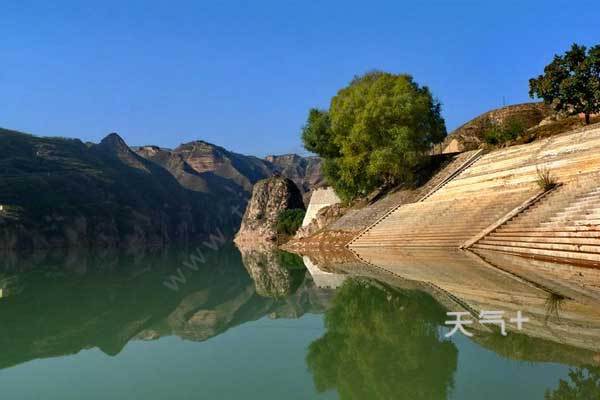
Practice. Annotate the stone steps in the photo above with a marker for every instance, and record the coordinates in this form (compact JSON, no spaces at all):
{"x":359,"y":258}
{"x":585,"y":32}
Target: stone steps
{"x":566,"y":225}
{"x":566,"y":221}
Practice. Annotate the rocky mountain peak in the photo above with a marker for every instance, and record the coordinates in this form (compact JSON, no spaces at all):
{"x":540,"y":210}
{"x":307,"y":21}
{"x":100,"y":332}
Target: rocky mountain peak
{"x":114,"y":142}
{"x":114,"y":146}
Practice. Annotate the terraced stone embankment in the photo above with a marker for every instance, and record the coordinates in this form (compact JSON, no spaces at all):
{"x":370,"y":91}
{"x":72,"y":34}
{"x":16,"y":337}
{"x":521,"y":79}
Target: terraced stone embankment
{"x":564,"y":224}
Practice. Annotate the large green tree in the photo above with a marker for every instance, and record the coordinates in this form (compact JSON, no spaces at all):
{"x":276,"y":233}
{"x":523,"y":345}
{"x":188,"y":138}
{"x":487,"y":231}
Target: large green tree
{"x":377,"y":131}
{"x":571,"y":82}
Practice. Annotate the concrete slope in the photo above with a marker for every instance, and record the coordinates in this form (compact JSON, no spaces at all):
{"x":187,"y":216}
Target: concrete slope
{"x":487,"y":190}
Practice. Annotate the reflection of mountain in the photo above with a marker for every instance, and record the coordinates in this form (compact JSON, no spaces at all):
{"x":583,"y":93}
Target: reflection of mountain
{"x":383,"y":343}
{"x":117,"y":298}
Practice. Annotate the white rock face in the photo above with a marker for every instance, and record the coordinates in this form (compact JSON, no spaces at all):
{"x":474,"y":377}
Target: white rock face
{"x":320,"y":198}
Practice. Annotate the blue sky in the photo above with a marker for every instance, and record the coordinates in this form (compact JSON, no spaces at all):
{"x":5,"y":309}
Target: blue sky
{"x":244,"y":74}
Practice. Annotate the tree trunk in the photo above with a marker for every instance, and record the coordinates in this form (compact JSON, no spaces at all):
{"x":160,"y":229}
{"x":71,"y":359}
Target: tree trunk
{"x":587,"y":118}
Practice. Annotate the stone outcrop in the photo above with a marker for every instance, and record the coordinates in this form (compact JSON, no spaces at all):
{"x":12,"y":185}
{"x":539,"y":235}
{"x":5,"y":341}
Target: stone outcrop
{"x":206,"y":168}
{"x":269,"y":198}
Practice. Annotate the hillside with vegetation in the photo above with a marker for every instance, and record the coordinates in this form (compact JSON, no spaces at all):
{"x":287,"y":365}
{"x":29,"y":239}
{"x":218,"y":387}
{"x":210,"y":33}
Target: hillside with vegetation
{"x":58,"y":192}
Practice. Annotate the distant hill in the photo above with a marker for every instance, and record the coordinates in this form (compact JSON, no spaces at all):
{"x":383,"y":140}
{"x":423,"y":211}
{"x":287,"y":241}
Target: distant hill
{"x":59,"y":192}
{"x":203,"y":166}
{"x":207,"y":168}
{"x":469,"y":136}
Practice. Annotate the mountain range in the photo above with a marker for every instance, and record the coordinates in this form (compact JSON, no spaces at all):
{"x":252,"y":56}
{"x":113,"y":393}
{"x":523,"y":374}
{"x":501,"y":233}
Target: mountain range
{"x":58,"y":192}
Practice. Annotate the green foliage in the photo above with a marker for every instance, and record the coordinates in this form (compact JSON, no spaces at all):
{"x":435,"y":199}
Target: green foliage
{"x":571,"y":82}
{"x":584,"y":384}
{"x":382,"y":343}
{"x":316,"y":134}
{"x":288,"y":221}
{"x":377,"y":132}
{"x":496,"y":134}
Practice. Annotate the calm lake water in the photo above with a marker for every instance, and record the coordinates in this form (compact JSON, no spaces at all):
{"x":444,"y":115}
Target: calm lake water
{"x":117,"y":326}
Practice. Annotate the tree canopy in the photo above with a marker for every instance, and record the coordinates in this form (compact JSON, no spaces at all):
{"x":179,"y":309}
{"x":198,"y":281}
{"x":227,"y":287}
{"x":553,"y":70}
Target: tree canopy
{"x":376,"y":132}
{"x":571,"y":82}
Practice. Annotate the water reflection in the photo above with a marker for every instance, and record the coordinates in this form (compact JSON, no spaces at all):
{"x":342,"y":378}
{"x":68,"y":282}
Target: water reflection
{"x":561,"y":301}
{"x":47,"y":310}
{"x":275,"y":273}
{"x":383,"y":312}
{"x":383,"y":343}
{"x":583,"y":383}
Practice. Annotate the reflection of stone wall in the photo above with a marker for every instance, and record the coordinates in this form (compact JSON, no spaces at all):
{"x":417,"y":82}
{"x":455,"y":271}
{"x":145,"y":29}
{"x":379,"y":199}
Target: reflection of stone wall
{"x":322,"y":278}
{"x":561,"y":311}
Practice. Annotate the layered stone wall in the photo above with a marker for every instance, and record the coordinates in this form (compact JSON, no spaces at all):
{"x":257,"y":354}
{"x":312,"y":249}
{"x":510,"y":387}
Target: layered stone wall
{"x":320,"y":199}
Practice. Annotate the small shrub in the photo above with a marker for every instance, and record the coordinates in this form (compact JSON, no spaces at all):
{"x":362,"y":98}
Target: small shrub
{"x":496,"y":134}
{"x":289,"y":221}
{"x":545,"y":179}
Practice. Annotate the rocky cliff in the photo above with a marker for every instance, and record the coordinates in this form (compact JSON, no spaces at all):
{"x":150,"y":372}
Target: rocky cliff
{"x":269,"y":198}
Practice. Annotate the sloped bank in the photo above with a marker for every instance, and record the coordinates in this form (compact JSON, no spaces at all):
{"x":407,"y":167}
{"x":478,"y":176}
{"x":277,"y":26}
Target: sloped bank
{"x":336,"y":225}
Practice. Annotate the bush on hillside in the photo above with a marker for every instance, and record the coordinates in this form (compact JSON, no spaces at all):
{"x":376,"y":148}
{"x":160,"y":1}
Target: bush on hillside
{"x":497,"y":134}
{"x":289,"y":221}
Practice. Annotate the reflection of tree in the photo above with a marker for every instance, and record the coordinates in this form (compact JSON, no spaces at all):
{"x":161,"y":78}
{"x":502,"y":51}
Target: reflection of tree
{"x":584,"y":385}
{"x":383,"y":344}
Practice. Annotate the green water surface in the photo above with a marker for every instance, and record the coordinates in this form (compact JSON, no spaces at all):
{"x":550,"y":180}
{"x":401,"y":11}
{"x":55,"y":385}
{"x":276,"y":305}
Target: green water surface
{"x":105,"y":326}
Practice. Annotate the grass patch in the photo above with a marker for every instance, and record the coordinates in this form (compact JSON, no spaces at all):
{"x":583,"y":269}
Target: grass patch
{"x":545,"y":179}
